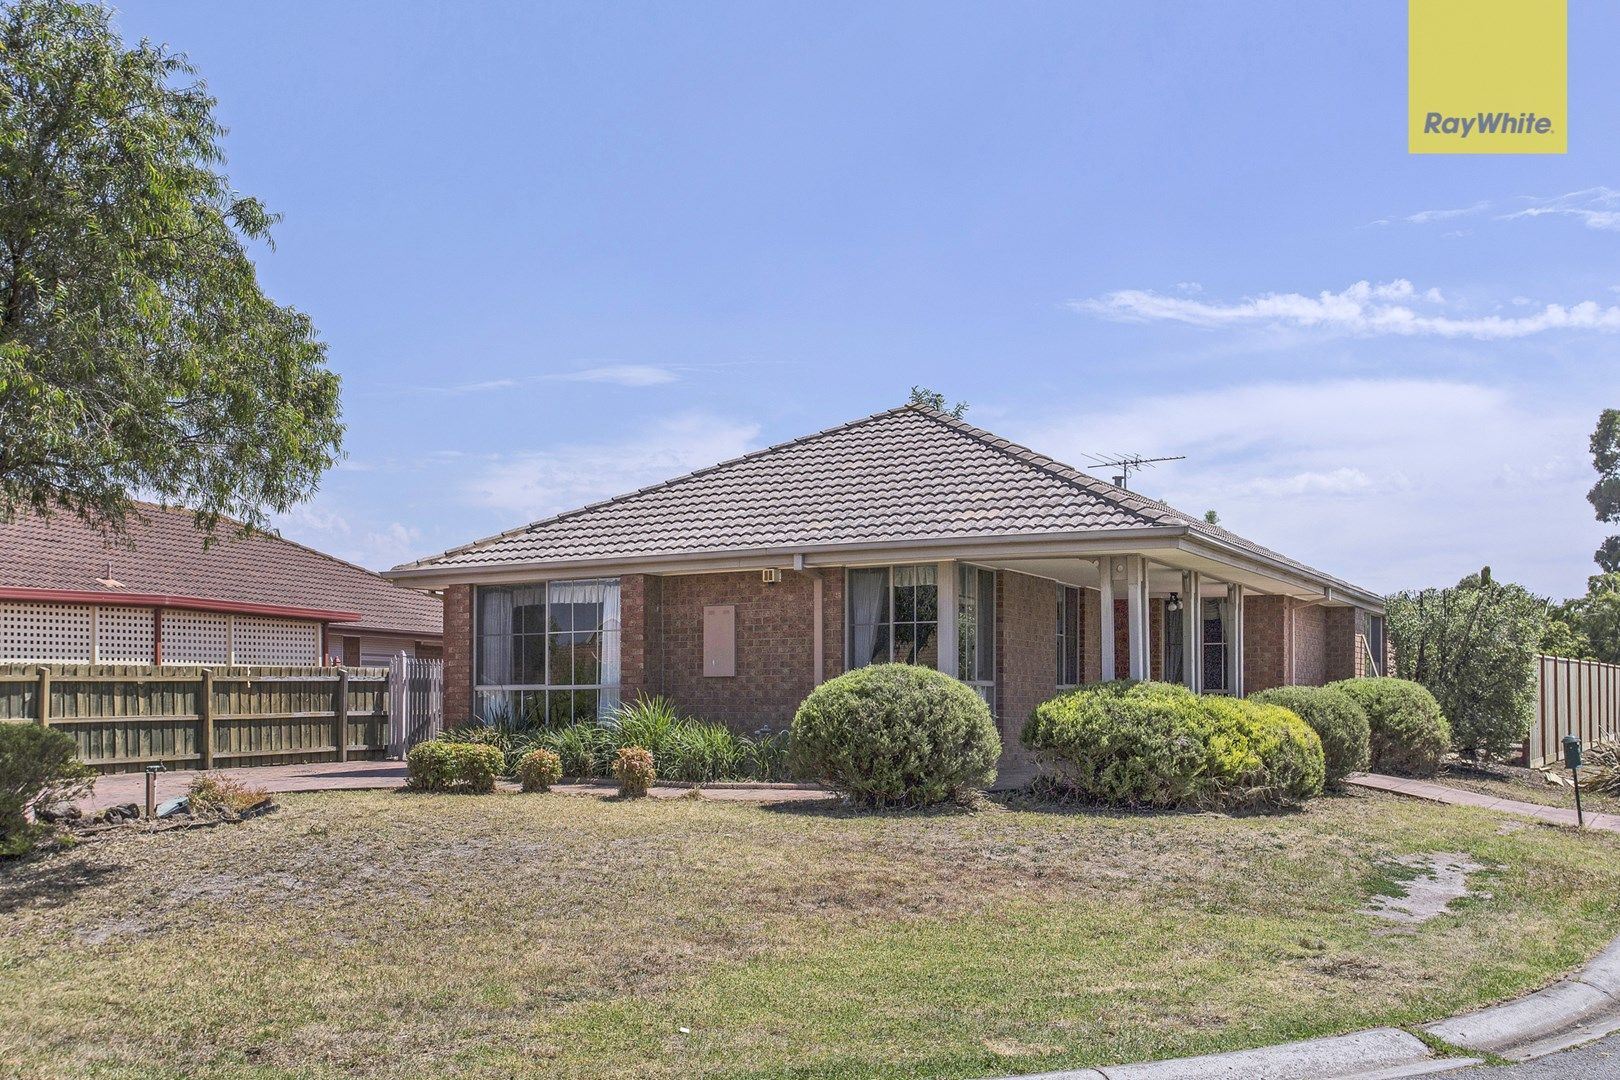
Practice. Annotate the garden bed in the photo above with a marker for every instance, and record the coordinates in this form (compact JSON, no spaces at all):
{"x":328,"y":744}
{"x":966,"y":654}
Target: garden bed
{"x":398,"y":935}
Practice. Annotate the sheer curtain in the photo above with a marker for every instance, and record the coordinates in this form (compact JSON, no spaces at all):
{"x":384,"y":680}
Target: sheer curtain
{"x":494,"y":636}
{"x":868,"y":608}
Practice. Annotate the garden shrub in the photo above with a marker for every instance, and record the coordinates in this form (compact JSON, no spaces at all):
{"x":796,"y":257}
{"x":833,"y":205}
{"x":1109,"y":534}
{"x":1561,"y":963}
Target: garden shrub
{"x":586,"y":749}
{"x":1407,"y":733}
{"x":539,"y":769}
{"x":694,"y":752}
{"x":896,"y":735}
{"x":221,"y":796}
{"x":1155,"y":744}
{"x":633,"y":769}
{"x":443,"y":765}
{"x":38,"y":766}
{"x":768,"y":756}
{"x":1336,"y":718}
{"x":647,"y":722}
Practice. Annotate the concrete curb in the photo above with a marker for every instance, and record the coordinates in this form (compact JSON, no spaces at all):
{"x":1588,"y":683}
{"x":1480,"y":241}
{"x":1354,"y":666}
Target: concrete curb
{"x":1572,"y":1011}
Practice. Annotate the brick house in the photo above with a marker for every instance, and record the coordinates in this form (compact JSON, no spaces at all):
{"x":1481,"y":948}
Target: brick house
{"x":69,"y":595}
{"x":907,"y":536}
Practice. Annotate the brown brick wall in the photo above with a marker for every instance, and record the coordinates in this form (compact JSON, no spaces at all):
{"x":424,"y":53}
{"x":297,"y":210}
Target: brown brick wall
{"x":1343,"y":644}
{"x":1092,"y":634}
{"x":1310,"y":644}
{"x":1266,"y":648}
{"x":774,"y":646}
{"x":458,"y":643}
{"x":1026,"y":662}
{"x":640,"y":616}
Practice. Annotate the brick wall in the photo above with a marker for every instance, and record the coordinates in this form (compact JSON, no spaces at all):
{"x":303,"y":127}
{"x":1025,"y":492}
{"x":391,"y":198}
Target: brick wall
{"x":1343,"y":659}
{"x":774,"y":645}
{"x":1310,"y":644}
{"x":1026,"y":663}
{"x":1091,"y":636}
{"x":458,"y":641}
{"x":1267,"y":659}
{"x":640,"y":616}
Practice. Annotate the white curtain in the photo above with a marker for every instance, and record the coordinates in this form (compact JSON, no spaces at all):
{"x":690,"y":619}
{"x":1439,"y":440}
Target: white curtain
{"x":868,"y":609}
{"x":494,"y":636}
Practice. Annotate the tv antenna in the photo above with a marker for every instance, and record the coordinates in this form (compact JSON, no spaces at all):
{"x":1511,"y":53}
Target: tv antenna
{"x":1127,"y":464}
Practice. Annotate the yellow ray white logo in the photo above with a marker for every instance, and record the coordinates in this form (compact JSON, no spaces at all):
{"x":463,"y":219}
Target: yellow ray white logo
{"x":1487,"y":76}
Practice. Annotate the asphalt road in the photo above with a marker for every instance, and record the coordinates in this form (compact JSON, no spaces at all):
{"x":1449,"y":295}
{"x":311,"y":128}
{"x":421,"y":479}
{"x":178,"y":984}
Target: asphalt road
{"x":1598,"y":1060}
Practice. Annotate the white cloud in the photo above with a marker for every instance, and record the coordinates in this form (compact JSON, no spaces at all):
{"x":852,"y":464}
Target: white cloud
{"x":1389,"y":483}
{"x":1364,"y":308}
{"x":632,"y":375}
{"x":370,"y":545}
{"x":1597,"y":207}
{"x":1424,"y":217}
{"x":542,"y":483}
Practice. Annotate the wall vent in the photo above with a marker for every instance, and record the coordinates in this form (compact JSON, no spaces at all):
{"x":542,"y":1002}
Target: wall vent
{"x":771,"y":576}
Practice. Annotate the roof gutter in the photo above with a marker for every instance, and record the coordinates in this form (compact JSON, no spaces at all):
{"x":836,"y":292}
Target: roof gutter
{"x":167,"y":600}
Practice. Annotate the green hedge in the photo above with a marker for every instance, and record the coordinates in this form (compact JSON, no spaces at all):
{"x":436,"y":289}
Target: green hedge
{"x":439,"y":765}
{"x":896,"y":735}
{"x":1408,"y":735}
{"x":1159,"y":745}
{"x":1336,"y":718}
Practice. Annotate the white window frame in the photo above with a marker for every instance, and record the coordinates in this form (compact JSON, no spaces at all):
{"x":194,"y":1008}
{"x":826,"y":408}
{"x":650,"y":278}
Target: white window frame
{"x":480,"y":689}
{"x":985,"y":688}
{"x":849,"y":625}
{"x":1066,"y":647}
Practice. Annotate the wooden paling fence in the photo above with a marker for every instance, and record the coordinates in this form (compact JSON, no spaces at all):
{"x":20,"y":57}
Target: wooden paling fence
{"x":1574,"y":697}
{"x":126,"y":717}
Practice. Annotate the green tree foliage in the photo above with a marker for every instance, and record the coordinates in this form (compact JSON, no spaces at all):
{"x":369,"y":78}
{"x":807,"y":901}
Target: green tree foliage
{"x":1563,"y":637}
{"x":1474,"y":647}
{"x":38,"y":766}
{"x":1212,"y":517}
{"x":921,"y":395}
{"x":1595,"y":617}
{"x":1605,"y":494}
{"x":137,"y":351}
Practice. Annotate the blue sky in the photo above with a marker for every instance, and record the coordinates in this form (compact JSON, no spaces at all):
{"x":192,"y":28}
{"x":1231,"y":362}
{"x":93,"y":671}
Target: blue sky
{"x":560,"y":251}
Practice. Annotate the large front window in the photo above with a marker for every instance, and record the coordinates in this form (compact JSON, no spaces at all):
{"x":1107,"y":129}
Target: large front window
{"x":547,"y":653}
{"x":894,"y":615}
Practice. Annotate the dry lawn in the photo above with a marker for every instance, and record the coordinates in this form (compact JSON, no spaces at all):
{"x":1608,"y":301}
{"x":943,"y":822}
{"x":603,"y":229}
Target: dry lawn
{"x":378,"y":934}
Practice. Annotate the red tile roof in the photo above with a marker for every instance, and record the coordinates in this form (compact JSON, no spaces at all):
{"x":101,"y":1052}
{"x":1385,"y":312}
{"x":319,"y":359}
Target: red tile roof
{"x":63,"y":554}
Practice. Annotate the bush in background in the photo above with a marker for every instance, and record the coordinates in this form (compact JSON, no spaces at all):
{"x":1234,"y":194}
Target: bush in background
{"x":442,"y":765}
{"x":1336,"y":718}
{"x":586,"y":750}
{"x":633,"y":769}
{"x":38,"y":766}
{"x":1474,"y":647}
{"x":1407,"y":733}
{"x":1160,"y":745}
{"x":539,"y":769}
{"x":896,"y":735}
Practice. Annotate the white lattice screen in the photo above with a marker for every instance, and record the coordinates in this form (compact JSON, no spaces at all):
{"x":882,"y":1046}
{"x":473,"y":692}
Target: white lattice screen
{"x":196,"y":637}
{"x":123,"y":635}
{"x":45,"y":632}
{"x":275,"y":641}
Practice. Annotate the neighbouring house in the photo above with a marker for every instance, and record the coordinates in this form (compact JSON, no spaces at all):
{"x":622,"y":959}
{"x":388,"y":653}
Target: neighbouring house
{"x":70,"y":595}
{"x":906,"y":536}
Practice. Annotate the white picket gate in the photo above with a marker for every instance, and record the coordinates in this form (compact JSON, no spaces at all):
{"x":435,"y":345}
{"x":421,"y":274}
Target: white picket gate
{"x":415,"y":702}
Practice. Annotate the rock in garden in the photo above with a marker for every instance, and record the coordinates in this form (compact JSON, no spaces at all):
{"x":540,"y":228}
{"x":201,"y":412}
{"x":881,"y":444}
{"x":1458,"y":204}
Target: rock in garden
{"x":59,"y":812}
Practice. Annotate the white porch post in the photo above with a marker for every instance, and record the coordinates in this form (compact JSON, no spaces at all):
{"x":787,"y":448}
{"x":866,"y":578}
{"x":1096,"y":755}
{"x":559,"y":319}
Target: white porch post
{"x":1192,"y":631}
{"x":1234,"y":595}
{"x":949,"y":606}
{"x":1136,"y":628}
{"x":1105,"y":618}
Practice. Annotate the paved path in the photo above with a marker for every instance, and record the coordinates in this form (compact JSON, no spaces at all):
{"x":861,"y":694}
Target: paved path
{"x":1423,"y":789}
{"x":116,"y":789}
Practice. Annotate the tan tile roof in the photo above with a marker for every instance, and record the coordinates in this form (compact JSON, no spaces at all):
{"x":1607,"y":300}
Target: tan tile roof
{"x":907,"y":474}
{"x":168,"y":558}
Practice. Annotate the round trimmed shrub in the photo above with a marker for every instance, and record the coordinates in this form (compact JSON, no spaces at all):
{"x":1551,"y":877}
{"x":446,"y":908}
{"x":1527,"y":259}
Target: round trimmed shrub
{"x":1154,"y":744}
{"x":1336,"y":718}
{"x":896,"y":735}
{"x":539,"y":769}
{"x":1408,"y":735}
{"x":441,"y":765}
{"x":633,"y":769}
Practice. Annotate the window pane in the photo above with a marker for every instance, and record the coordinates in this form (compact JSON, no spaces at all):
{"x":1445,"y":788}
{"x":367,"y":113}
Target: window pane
{"x":562,"y":659}
{"x":494,"y":636}
{"x":587,"y":660}
{"x":905,"y":643}
{"x":985,"y":660}
{"x":868,"y":617}
{"x":927,"y":604}
{"x":561,"y":706}
{"x":531,"y":666}
{"x":905,"y":601}
{"x":926,"y":637}
{"x":532,"y":709}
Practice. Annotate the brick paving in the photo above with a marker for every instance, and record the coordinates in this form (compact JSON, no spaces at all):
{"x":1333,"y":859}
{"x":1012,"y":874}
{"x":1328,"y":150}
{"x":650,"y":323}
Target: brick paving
{"x":119,"y":788}
{"x":1423,"y":789}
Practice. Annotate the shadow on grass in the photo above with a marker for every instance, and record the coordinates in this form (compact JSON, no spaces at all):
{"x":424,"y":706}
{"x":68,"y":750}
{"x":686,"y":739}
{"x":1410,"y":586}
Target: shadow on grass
{"x":1026,"y":800}
{"x":48,"y":879}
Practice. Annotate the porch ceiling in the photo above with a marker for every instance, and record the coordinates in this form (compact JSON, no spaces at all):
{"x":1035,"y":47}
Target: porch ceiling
{"x":1164,"y":573}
